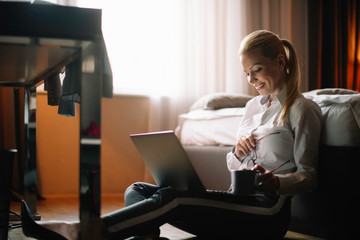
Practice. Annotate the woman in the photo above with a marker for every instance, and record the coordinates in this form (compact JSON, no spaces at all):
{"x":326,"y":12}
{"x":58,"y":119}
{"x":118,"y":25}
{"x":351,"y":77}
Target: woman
{"x":278,"y":137}
{"x":280,"y":118}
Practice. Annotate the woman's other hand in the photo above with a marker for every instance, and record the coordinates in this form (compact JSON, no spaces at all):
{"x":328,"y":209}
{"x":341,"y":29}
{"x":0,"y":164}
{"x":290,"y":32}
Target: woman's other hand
{"x":244,"y":146}
{"x":268,"y":181}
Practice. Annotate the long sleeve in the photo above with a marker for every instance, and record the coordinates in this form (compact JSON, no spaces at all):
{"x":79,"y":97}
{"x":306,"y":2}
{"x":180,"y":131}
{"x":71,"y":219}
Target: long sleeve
{"x":305,"y":118}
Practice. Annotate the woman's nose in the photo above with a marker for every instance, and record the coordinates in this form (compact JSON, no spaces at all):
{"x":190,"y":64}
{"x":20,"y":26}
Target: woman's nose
{"x":252,"y":78}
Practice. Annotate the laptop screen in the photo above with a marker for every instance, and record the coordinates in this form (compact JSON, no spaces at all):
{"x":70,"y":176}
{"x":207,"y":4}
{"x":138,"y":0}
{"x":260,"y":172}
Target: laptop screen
{"x":167,"y":160}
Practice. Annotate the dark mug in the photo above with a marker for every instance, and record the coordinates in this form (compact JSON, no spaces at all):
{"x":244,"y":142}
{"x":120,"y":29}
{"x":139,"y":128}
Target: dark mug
{"x":243,"y":182}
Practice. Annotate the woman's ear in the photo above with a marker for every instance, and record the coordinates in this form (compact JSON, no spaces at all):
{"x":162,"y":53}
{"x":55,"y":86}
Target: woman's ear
{"x":281,"y":61}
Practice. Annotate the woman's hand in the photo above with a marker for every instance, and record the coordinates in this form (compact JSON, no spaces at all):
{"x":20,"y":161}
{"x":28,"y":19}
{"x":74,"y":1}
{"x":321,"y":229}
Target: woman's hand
{"x":244,"y":146}
{"x":268,"y":181}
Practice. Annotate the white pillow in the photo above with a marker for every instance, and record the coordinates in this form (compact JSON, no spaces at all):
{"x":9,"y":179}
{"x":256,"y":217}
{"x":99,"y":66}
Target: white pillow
{"x":215,"y":101}
{"x":329,"y":91}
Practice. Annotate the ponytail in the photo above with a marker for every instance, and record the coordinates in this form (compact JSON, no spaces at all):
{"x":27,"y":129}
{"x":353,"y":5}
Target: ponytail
{"x":293,"y":77}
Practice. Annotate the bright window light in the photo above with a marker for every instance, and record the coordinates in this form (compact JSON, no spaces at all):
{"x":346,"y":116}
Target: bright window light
{"x":143,"y":40}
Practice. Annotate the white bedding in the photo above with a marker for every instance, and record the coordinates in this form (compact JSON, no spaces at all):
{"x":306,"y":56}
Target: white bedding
{"x":209,"y":127}
{"x":341,"y":122}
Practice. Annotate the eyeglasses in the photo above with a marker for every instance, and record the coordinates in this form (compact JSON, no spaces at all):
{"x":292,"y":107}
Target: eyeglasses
{"x":253,"y":155}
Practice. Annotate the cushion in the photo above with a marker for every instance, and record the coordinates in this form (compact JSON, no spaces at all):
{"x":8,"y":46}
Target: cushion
{"x":215,"y":101}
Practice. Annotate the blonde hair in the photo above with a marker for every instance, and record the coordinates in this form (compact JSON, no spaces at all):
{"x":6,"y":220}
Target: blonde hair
{"x":270,"y":45}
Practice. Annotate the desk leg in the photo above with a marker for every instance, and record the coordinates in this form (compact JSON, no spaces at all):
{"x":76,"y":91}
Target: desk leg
{"x":30,"y":174}
{"x":90,"y":141}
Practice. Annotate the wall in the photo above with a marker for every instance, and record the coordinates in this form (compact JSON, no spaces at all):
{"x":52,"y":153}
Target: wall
{"x":58,"y":146}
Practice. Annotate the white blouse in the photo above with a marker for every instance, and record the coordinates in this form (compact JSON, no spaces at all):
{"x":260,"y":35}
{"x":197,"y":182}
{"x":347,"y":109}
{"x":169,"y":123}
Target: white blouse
{"x":293,"y":143}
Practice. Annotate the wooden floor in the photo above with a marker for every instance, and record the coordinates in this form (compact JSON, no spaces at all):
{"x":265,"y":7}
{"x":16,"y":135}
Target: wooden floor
{"x":67,"y":209}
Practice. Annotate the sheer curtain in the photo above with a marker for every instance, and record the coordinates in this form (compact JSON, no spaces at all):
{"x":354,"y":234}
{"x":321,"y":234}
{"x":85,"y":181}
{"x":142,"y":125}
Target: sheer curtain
{"x":211,"y":35}
{"x":177,"y":51}
{"x":207,"y":58}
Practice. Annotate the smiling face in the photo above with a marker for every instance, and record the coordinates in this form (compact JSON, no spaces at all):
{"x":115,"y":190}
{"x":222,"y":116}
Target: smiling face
{"x":265,"y":74}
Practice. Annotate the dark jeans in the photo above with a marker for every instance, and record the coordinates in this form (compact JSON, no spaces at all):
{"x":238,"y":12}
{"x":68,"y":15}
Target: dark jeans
{"x":211,"y":215}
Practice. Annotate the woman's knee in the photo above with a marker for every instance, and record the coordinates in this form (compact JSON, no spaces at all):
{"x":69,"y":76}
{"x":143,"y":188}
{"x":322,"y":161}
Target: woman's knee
{"x":139,"y":191}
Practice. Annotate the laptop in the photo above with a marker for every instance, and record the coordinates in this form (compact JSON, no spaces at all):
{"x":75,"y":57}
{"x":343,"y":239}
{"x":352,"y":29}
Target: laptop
{"x":167,"y":160}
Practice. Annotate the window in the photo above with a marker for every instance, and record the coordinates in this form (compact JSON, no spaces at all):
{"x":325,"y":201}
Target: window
{"x":143,"y":40}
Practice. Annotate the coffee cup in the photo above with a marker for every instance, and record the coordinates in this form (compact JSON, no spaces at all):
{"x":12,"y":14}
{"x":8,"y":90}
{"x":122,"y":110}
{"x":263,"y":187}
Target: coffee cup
{"x":243,"y":182}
